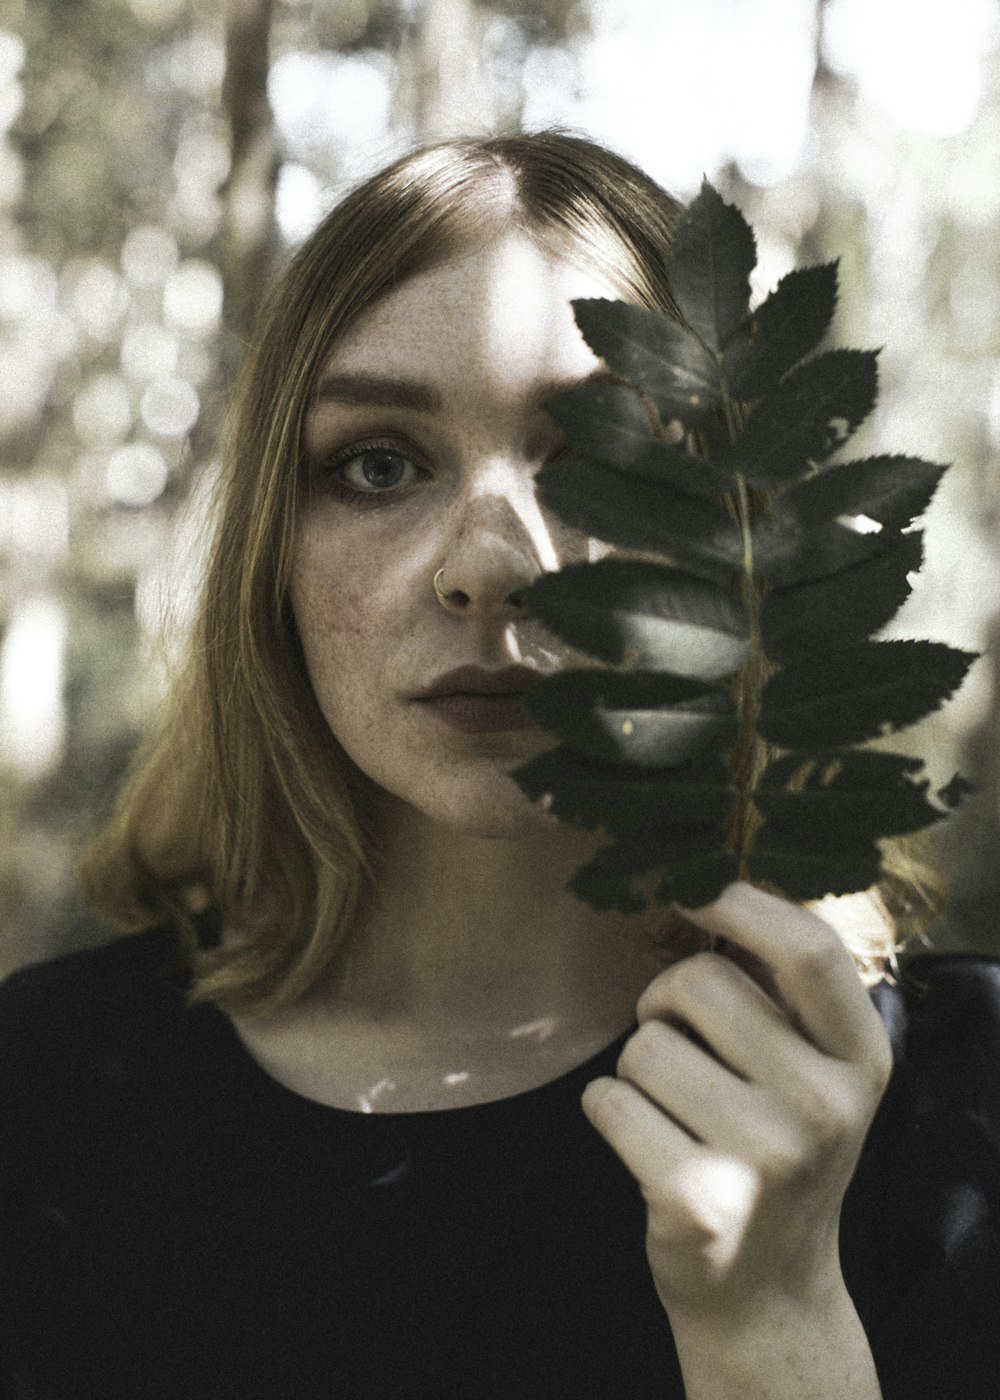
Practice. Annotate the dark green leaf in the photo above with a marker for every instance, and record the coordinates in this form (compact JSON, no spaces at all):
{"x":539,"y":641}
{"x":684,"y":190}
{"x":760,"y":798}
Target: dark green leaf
{"x":697,"y":871}
{"x":820,"y":832}
{"x":711,"y":257}
{"x":656,"y":354}
{"x":645,"y":718}
{"x":953,"y":793}
{"x":591,"y":792}
{"x":698,"y":878}
{"x":811,"y":413}
{"x":858,"y":794}
{"x":858,"y":692}
{"x":606,"y":422}
{"x":842,"y":607}
{"x":804,"y":870}
{"x":784,"y":328}
{"x":891,"y":490}
{"x":831,"y":521}
{"x":644,"y":614}
{"x":633,"y":513}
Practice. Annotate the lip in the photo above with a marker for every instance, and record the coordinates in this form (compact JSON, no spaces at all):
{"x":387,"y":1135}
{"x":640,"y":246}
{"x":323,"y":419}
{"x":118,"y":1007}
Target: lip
{"x":478,"y":701}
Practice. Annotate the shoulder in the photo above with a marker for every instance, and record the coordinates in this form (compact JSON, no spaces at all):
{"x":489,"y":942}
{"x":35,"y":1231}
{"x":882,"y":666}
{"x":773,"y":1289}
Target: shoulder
{"x":942,"y":1110}
{"x":57,"y":1015}
{"x":943,"y":1013}
{"x":943,"y":1018}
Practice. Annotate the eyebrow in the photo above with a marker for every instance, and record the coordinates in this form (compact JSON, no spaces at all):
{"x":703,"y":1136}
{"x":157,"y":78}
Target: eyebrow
{"x":378,"y":391}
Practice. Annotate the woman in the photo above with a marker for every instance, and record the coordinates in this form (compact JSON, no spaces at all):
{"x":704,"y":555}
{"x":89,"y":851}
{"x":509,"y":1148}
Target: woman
{"x":329,"y":1141}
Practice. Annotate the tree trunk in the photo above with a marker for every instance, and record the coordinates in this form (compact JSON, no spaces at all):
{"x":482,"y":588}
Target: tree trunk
{"x":248,"y":225}
{"x":450,"y":93}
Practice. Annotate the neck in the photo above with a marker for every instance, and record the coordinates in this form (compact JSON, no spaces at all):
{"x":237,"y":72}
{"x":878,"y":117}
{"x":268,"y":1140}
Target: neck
{"x":479,"y":934}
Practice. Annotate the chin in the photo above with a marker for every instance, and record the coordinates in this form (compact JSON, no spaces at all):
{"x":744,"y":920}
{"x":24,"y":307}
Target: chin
{"x":486,"y":807}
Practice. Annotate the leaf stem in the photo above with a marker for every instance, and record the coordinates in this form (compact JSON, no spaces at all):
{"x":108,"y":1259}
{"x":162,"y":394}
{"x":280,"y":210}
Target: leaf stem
{"x":750,"y":684}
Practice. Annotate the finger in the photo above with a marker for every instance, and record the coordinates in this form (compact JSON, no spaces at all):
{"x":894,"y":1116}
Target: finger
{"x":699,"y":1093}
{"x":729,"y":1013}
{"x":814,"y":974}
{"x":649,"y":1143}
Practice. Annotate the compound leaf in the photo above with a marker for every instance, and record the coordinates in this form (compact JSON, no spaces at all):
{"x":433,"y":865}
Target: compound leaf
{"x":750,"y":624}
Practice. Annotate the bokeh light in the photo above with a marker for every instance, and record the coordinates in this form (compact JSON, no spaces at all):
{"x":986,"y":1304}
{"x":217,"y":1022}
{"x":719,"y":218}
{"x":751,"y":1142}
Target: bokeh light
{"x":149,"y":255}
{"x":32,"y":716}
{"x":198,"y":64}
{"x":98,"y":299}
{"x":710,"y":80}
{"x":169,"y":407}
{"x":921,"y":63}
{"x":149,"y":351}
{"x":34,"y":518}
{"x":298,"y":202}
{"x":136,"y":474}
{"x":192,"y":298}
{"x":326,"y":102}
{"x":28,"y":287}
{"x":102,"y":411}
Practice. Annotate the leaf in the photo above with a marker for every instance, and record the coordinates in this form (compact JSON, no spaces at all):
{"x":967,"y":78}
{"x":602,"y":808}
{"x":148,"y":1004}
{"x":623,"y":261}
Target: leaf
{"x":855,"y":794}
{"x":955,"y":791}
{"x":698,"y":870}
{"x":803,"y":870}
{"x":607,"y":422}
{"x":823,"y":817}
{"x":762,"y":554}
{"x":847,"y":606}
{"x":637,"y":514}
{"x":831,"y":521}
{"x":591,"y":792}
{"x":711,"y":257}
{"x":647,"y":614}
{"x":661,"y":358}
{"x":893,"y":490}
{"x":697,"y":877}
{"x":858,"y":692}
{"x":646,"y":718}
{"x":813,"y":411}
{"x":785,"y":327}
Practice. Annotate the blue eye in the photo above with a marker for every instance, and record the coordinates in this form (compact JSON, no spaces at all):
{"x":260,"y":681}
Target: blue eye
{"x":371,"y":470}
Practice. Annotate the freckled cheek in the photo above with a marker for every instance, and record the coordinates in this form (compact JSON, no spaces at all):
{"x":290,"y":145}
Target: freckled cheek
{"x":337,"y":615}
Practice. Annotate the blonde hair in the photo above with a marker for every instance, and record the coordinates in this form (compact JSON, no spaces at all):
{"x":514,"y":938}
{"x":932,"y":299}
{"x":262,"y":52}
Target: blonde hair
{"x":240,"y":800}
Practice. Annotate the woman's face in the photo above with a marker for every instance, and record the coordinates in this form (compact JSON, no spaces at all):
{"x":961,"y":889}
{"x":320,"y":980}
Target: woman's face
{"x":424,"y":441}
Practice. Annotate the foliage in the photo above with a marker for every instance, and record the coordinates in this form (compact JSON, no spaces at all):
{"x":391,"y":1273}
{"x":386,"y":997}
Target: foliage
{"x":720,"y":738}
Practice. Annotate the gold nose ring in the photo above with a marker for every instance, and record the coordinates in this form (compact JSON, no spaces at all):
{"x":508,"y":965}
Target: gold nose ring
{"x":446,"y":601}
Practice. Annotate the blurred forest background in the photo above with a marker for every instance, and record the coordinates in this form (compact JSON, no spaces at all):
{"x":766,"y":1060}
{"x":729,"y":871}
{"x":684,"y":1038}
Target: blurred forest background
{"x":158,"y":157}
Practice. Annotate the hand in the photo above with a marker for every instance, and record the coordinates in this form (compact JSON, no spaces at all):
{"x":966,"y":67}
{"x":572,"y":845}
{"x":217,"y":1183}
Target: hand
{"x":744,"y":1140}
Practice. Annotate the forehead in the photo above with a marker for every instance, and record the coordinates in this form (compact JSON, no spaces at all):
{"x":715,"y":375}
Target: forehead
{"x":504,"y":306}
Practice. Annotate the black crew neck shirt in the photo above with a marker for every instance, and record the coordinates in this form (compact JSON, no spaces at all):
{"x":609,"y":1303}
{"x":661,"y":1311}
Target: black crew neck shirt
{"x":177,"y":1225}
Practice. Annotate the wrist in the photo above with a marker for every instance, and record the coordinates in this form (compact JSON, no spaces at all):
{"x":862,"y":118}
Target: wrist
{"x":778,"y":1348}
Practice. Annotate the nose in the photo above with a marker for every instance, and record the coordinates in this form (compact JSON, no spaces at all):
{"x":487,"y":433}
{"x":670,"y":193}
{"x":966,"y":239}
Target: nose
{"x":499,"y":543}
